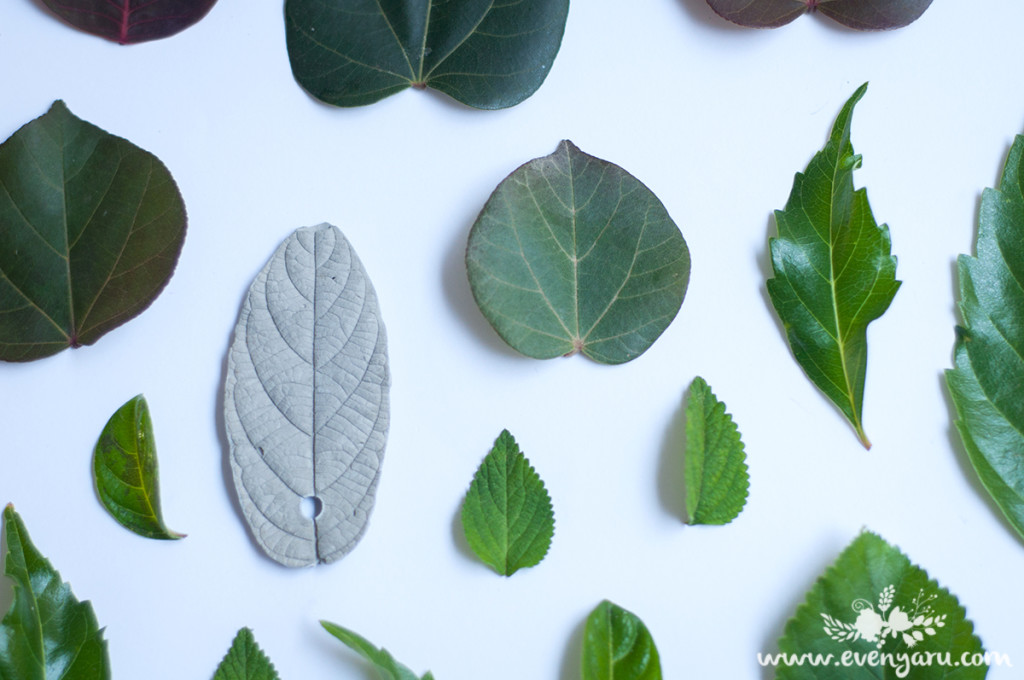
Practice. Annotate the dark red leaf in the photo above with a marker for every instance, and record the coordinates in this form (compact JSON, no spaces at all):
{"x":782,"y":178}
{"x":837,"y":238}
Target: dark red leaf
{"x":759,"y":13}
{"x":131,"y":21}
{"x":874,"y":15}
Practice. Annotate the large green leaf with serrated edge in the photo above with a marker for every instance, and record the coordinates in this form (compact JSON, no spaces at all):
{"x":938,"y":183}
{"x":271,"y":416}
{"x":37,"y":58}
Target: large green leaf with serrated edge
{"x":486,"y":54}
{"x":716,"y":471}
{"x":834,"y":272}
{"x":507,"y":515}
{"x":987,"y":382}
{"x":382,"y":661}
{"x":574,"y":254}
{"x":245,"y":660}
{"x":875,"y":604}
{"x":864,"y":15}
{"x":124,"y":466}
{"x":618,"y":646}
{"x":90,"y":231}
{"x":47,"y":634}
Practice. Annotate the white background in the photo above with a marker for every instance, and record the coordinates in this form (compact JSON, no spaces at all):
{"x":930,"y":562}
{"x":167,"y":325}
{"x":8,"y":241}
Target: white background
{"x":715,"y":120}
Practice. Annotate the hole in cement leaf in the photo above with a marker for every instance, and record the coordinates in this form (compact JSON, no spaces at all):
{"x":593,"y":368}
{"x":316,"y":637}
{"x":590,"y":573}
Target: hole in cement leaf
{"x":311,"y":507}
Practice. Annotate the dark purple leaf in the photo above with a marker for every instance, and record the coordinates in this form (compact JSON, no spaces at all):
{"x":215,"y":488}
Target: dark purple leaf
{"x":759,"y":13}
{"x":131,"y":21}
{"x":874,"y":15}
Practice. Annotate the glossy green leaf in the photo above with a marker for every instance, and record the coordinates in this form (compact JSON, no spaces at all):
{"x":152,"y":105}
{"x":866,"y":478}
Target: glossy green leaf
{"x":245,"y":660}
{"x":124,"y":467}
{"x":507,"y":515}
{"x":90,"y":231}
{"x":618,"y":646}
{"x":573,"y":254}
{"x":834,"y":273}
{"x":385,"y":664}
{"x":873,"y":600}
{"x":486,"y":54}
{"x":131,"y":21}
{"x":864,"y":15}
{"x":987,"y":383}
{"x":716,"y":469}
{"x":47,"y":634}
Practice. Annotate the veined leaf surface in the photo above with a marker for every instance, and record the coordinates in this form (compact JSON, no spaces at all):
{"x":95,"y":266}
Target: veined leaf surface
{"x":618,"y":646}
{"x":47,"y":634}
{"x":864,"y":15}
{"x":386,"y":666}
{"x":306,"y":399}
{"x":987,"y":382}
{"x":486,"y":54}
{"x":131,"y":21}
{"x":574,"y":254}
{"x":245,"y":660}
{"x":834,"y":272}
{"x":91,"y":227}
{"x":716,"y":471}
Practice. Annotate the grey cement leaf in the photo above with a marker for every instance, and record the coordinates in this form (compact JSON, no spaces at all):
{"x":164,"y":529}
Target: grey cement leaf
{"x":306,"y":398}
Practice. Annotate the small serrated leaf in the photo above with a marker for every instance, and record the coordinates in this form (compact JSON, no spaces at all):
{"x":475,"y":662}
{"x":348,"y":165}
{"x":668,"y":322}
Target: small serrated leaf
{"x":507,"y":514}
{"x":245,"y":660}
{"x":125,"y":470}
{"x":717,"y":480}
{"x":618,"y":646}
{"x":386,"y":665}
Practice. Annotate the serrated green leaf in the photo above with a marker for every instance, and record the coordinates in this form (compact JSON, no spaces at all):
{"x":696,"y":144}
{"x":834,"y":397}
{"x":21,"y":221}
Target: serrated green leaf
{"x":507,"y":515}
{"x":245,"y":660}
{"x":834,"y":273}
{"x":618,"y":646}
{"x":47,"y":634}
{"x":873,"y":599}
{"x":485,"y":54}
{"x":987,"y":382}
{"x":91,"y":227}
{"x":124,"y":467}
{"x":716,"y":472}
{"x":386,"y":666}
{"x":574,"y":254}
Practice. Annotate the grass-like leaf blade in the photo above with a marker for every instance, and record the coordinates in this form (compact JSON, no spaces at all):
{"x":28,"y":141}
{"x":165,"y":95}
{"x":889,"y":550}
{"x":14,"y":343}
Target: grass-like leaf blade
{"x":873,"y":599}
{"x":131,"y":21}
{"x":91,"y":227}
{"x":484,"y":54}
{"x":834,"y":272}
{"x":383,"y":662}
{"x":987,"y":381}
{"x":571,"y":254}
{"x":507,"y":515}
{"x":245,"y":660}
{"x":618,"y":646}
{"x":47,"y":634}
{"x":124,"y":466}
{"x":864,"y":15}
{"x":717,"y":480}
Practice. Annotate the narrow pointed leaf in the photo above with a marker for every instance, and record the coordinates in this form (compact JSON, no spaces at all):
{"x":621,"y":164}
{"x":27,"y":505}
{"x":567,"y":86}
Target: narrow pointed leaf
{"x":306,"y":399}
{"x":47,"y":634}
{"x":385,"y":664}
{"x":573,"y":254}
{"x":485,"y":54}
{"x":864,"y":15}
{"x":618,"y":646}
{"x":131,"y":21}
{"x":870,"y":601}
{"x":716,"y":472}
{"x":834,"y":272}
{"x":987,"y":382}
{"x":125,"y":469}
{"x":507,"y":515}
{"x":245,"y":660}
{"x":90,"y":231}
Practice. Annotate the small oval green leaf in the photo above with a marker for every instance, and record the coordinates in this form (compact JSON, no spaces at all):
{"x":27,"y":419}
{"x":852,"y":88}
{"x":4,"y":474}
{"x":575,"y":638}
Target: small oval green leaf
{"x":245,"y":660}
{"x":574,"y":254}
{"x":125,"y":469}
{"x":386,"y":666}
{"x":618,"y":646}
{"x":507,"y":515}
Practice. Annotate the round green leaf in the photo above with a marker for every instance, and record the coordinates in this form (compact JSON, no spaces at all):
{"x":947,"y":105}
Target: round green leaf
{"x":574,"y":254}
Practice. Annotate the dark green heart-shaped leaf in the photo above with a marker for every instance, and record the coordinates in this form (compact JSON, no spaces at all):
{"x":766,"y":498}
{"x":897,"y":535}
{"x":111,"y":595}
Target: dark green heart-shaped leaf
{"x":125,"y":469}
{"x":987,"y":383}
{"x":131,"y":21}
{"x":90,"y":231}
{"x":507,"y":515}
{"x":386,"y":666}
{"x":47,"y":634}
{"x":874,"y":601}
{"x":486,"y":54}
{"x":573,"y":254}
{"x":618,"y":646}
{"x":716,"y":471}
{"x":834,"y":273}
{"x":245,"y":660}
{"x":865,"y":15}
